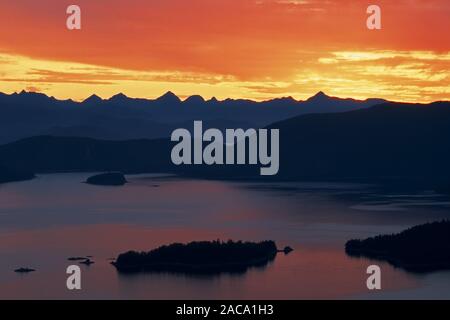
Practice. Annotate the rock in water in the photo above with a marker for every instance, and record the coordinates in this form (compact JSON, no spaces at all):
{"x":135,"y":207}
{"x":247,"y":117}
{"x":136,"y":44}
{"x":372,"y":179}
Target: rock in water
{"x":24,"y":270}
{"x":87,"y":262}
{"x":77,"y":258}
{"x":287,"y":250}
{"x":107,"y":179}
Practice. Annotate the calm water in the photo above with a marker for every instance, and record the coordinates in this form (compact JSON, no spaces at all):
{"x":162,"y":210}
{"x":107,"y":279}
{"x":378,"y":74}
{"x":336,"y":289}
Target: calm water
{"x":51,"y":218}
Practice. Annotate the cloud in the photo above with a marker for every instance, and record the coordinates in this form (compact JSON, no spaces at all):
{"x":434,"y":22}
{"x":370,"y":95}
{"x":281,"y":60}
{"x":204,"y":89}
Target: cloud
{"x":429,"y":68}
{"x":396,"y":75}
{"x":32,"y":89}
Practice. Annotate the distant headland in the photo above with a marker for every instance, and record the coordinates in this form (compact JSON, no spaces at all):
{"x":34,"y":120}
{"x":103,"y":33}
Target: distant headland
{"x":11,"y":175}
{"x":423,"y":248}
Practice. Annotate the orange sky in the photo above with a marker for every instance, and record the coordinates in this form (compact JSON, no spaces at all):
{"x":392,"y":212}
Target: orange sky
{"x":258,"y":49}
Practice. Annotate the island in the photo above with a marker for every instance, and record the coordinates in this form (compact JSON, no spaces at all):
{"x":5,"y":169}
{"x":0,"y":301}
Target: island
{"x":422,"y":248}
{"x":286,"y":250}
{"x":204,"y":257}
{"x":77,"y":258}
{"x":24,"y":270}
{"x":107,"y":179}
{"x":83,"y":260}
{"x":87,"y":262}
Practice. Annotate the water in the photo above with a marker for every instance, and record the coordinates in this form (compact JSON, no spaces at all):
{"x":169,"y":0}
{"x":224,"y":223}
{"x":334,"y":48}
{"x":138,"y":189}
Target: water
{"x":51,"y":218}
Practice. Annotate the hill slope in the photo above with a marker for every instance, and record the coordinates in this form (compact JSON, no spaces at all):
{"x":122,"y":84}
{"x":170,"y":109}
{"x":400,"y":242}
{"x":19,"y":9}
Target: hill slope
{"x":388,"y":141}
{"x":122,"y":118}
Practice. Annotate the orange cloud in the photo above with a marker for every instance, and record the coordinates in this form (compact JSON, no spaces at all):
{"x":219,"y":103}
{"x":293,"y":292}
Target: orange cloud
{"x":247,"y":48}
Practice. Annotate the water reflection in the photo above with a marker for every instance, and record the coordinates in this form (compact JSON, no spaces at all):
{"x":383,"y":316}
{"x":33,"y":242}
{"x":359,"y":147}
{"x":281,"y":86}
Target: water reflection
{"x":47,"y":220}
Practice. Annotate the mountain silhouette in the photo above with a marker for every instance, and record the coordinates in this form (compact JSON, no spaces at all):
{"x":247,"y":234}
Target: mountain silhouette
{"x":194,"y":100}
{"x":27,"y":114}
{"x":168,"y":98}
{"x":10,"y":175}
{"x":93,"y":99}
{"x":52,"y":154}
{"x":387,"y":140}
{"x":319,"y":97}
{"x":406,"y":142}
{"x":119,"y":98}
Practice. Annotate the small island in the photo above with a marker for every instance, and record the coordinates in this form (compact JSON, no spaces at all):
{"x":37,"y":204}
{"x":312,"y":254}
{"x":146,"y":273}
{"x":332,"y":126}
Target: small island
{"x":107,"y":179}
{"x":77,"y":258}
{"x":286,"y":250}
{"x":87,"y":262}
{"x":83,"y":260}
{"x":24,"y":270}
{"x":199,"y":257}
{"x":423,"y":248}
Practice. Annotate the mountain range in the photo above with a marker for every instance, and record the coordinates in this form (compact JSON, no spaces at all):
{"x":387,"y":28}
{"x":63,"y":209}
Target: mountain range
{"x":388,"y":141}
{"x":28,"y":114}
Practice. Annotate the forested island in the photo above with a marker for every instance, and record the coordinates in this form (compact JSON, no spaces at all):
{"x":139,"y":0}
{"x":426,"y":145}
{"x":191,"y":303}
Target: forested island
{"x":423,"y":248}
{"x":199,"y":257}
{"x":107,"y":179}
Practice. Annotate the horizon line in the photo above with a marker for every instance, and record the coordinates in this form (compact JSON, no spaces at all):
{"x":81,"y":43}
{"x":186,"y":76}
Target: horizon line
{"x":184,"y":98}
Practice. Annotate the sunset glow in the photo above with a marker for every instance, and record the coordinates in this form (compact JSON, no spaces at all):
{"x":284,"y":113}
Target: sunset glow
{"x":256,"y":49}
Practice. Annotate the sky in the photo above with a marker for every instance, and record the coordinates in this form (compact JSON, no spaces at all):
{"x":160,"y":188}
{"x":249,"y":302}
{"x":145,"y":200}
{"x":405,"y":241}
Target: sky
{"x":254,"y":49}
